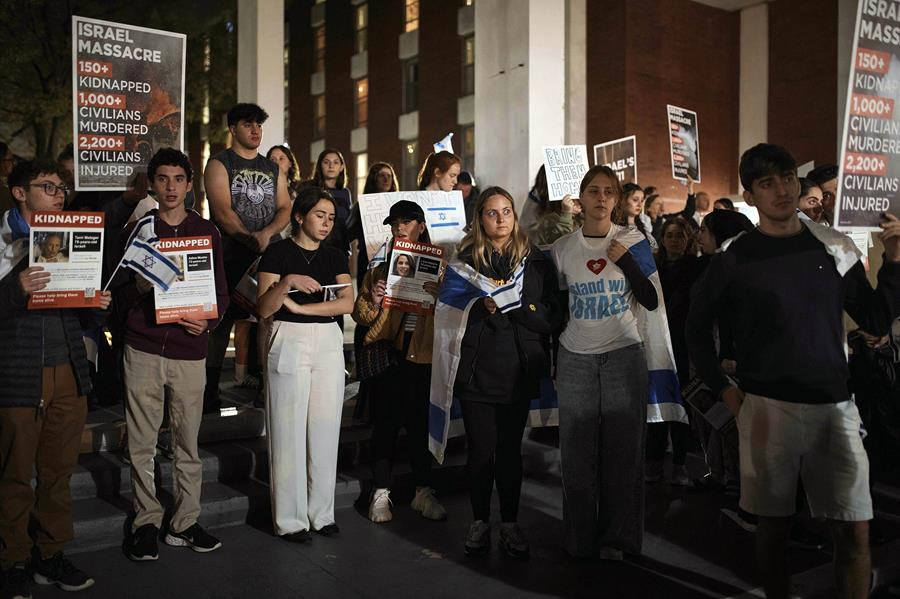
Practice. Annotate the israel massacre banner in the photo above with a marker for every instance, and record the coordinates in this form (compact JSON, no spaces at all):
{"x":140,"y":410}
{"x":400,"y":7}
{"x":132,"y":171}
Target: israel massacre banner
{"x":621,"y":156}
{"x":127,"y":99}
{"x":869,"y":174}
{"x":684,"y":143}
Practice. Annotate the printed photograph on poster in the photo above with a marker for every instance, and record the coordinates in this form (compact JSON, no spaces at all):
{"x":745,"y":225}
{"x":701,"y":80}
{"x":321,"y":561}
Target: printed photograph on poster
{"x":412,"y":265}
{"x":68,"y":245}
{"x":869,"y":167}
{"x":445,"y":216}
{"x":684,"y":143}
{"x":565,"y":166}
{"x":620,"y":155}
{"x":193,"y":294}
{"x":127,"y":99}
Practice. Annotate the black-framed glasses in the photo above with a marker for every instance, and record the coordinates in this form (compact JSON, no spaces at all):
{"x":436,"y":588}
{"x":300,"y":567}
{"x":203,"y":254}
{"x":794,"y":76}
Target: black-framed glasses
{"x":51,"y":189}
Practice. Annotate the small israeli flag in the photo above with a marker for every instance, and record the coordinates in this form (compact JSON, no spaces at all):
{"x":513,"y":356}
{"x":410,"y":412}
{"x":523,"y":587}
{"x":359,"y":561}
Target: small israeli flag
{"x":445,"y":144}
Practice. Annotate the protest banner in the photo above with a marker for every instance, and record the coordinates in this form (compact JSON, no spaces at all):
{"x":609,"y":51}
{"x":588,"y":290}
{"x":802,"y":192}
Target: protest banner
{"x":621,"y":156}
{"x":193,"y":294}
{"x":445,"y":216}
{"x":127,"y":99}
{"x":869,"y":168}
{"x":68,"y":245}
{"x":412,"y":265}
{"x":565,"y":167}
{"x":684,"y":143}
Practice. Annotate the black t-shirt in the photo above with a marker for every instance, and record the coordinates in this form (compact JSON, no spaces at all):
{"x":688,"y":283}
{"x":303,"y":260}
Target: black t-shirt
{"x":285,"y":257}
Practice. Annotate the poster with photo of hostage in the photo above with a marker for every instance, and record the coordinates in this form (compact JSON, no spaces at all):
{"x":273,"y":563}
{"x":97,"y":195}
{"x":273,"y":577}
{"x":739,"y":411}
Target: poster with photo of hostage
{"x":445,"y":216}
{"x":869,"y":177}
{"x":193,"y":294}
{"x":412,"y":265}
{"x":565,"y":166}
{"x":68,"y":245}
{"x":127,"y":99}
{"x":684,"y":143}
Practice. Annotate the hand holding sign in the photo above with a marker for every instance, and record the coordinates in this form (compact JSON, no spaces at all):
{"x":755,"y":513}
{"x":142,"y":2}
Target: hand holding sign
{"x":33,"y":278}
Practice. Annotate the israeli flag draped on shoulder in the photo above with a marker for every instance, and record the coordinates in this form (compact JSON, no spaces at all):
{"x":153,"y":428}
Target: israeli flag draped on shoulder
{"x":142,"y":256}
{"x":665,"y":403}
{"x":462,"y":287}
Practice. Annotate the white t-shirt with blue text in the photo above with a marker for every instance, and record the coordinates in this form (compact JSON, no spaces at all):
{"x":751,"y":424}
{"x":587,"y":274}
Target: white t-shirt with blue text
{"x":600,"y":315}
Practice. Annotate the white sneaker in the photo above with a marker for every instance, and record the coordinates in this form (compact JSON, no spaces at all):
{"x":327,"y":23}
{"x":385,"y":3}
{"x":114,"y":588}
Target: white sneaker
{"x":380,"y":508}
{"x":426,"y":504}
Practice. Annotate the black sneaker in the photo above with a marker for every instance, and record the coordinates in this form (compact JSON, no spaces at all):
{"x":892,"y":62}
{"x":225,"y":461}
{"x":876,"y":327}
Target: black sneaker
{"x":60,"y":571}
{"x":141,"y":546}
{"x":17,"y":583}
{"x":329,"y":530}
{"x":301,"y":536}
{"x":194,"y":537}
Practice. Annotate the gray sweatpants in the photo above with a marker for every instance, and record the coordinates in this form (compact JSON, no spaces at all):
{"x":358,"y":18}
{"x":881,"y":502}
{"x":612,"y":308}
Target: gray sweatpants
{"x":602,"y":425}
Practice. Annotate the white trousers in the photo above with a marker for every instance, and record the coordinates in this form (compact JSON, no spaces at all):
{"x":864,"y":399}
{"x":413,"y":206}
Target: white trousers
{"x":305,"y":394}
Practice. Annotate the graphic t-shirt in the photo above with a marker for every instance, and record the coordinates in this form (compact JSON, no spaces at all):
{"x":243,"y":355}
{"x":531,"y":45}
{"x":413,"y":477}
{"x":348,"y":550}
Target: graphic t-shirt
{"x":285,"y":257}
{"x":254,"y":187}
{"x":600,"y":316}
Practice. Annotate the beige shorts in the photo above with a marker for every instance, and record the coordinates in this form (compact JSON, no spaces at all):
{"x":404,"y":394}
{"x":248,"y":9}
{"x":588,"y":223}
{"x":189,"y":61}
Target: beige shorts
{"x":821,"y":444}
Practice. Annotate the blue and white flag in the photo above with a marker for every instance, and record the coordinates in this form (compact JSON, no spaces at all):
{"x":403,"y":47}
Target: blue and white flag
{"x":461,"y":288}
{"x":664,"y":404}
{"x":142,"y":256}
{"x":445,"y":144}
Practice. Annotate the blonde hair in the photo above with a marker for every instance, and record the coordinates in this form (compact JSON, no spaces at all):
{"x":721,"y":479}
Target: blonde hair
{"x":517,"y":246}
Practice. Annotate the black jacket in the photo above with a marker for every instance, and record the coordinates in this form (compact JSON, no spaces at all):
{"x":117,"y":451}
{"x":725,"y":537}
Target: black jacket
{"x":21,"y":353}
{"x":505,"y":356}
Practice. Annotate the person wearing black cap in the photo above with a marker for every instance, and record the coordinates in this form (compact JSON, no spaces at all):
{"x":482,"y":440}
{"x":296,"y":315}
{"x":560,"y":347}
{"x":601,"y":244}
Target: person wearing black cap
{"x":470,"y":192}
{"x":400,"y":393}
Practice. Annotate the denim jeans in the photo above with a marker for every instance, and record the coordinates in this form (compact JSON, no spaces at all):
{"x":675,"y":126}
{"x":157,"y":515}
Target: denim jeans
{"x":602,"y":427}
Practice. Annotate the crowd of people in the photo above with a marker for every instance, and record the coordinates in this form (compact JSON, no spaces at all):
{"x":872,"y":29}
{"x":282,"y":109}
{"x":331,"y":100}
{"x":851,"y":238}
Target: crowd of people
{"x":754,"y":330}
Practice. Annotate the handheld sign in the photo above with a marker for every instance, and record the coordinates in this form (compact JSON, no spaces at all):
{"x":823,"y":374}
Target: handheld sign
{"x":684,"y":143}
{"x":621,"y":156}
{"x":193,"y":294}
{"x":869,"y":170}
{"x":68,"y":245}
{"x":412,"y":265}
{"x":565,"y":167}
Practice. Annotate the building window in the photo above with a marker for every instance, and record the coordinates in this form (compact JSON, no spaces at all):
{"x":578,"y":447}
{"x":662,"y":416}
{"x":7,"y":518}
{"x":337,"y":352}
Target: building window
{"x":362,"y":171}
{"x":467,"y":151}
{"x":410,"y":165}
{"x":361,"y":101}
{"x":410,"y":85}
{"x":468,"y":66}
{"x":319,"y":117}
{"x":319,"y":45}
{"x":361,"y":25}
{"x":412,"y":15}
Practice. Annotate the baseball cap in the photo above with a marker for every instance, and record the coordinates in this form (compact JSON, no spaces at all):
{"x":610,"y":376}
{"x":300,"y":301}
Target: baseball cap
{"x":405,"y":210}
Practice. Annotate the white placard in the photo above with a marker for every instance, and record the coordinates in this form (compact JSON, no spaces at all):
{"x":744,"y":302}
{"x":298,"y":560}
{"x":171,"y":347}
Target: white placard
{"x":565,"y":167}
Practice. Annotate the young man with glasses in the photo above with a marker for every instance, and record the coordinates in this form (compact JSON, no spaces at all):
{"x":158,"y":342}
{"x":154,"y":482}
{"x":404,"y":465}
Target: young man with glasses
{"x":44,"y":381}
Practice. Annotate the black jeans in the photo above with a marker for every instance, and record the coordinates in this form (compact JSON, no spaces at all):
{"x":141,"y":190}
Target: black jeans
{"x":494,"y":437}
{"x":400,"y":400}
{"x":658,"y":437}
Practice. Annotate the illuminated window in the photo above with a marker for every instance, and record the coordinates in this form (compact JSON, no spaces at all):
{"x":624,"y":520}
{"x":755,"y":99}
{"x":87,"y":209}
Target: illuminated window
{"x":319,"y":117}
{"x":410,"y":165}
{"x":361,"y":25}
{"x":468,"y":66}
{"x":319,"y":45}
{"x":410,"y":85}
{"x":362,"y":170}
{"x":412,"y":15}
{"x":361,"y":100}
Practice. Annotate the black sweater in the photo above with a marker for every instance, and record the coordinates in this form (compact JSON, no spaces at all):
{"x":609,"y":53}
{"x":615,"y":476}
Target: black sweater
{"x":783,"y":298}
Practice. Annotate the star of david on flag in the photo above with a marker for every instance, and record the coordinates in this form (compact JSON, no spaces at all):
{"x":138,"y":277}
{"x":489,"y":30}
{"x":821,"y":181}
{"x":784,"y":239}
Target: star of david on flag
{"x":142,"y":256}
